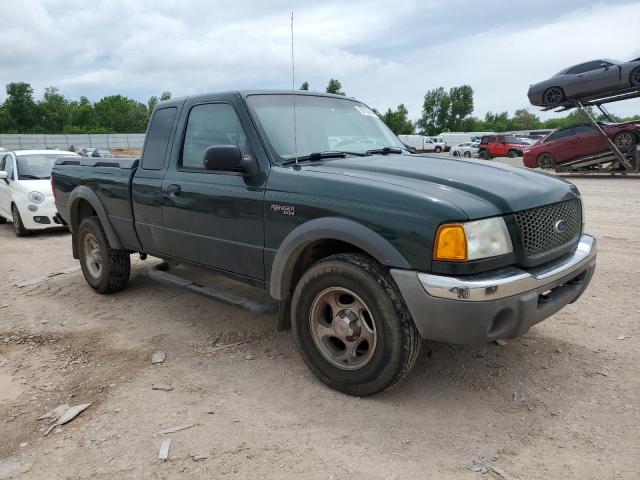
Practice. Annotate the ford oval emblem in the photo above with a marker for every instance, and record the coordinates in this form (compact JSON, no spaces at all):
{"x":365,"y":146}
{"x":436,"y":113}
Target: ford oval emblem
{"x":560,"y":226}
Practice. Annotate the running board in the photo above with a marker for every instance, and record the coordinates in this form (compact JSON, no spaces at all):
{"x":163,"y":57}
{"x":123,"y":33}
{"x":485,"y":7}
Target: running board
{"x":160,"y":274}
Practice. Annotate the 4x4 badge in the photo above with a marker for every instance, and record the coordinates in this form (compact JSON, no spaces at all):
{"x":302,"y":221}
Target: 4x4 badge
{"x":560,"y":226}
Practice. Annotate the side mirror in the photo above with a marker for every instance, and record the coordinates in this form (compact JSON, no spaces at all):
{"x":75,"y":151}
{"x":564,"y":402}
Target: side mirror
{"x":605,"y":66}
{"x":228,"y":158}
{"x":4,"y":176}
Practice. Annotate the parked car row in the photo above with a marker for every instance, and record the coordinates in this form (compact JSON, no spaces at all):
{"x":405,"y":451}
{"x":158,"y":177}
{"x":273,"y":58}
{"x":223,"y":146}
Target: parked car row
{"x":96,"y":152}
{"x":467,"y":150}
{"x":26,"y":198}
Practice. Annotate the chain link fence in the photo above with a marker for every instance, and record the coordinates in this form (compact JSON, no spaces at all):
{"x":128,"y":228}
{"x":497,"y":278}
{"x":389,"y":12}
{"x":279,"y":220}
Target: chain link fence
{"x":64,"y":142}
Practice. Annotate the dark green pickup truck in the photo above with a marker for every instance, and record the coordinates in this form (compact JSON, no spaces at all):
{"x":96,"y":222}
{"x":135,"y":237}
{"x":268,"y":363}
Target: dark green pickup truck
{"x":367,"y":247}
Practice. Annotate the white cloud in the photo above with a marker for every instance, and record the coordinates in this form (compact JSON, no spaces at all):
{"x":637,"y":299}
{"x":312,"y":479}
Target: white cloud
{"x":383,"y":54}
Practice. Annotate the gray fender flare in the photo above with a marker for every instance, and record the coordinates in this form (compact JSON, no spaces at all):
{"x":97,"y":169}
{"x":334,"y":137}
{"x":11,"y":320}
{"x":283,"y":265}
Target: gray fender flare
{"x":328,"y":228}
{"x":85,"y":193}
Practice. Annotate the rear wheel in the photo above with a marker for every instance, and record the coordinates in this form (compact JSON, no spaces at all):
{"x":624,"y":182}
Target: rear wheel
{"x":513,"y":154}
{"x":634,"y":78}
{"x":546,"y":161}
{"x":438,"y":149}
{"x":467,"y":154}
{"x":352,"y":327}
{"x":2,"y":220}
{"x":484,"y":155}
{"x":105,"y":269}
{"x":626,"y":141}
{"x":553,"y":96}
{"x":456,"y":153}
{"x":18,"y":226}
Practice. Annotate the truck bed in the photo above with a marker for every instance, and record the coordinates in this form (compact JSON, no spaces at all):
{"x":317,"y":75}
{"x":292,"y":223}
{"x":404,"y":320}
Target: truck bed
{"x":109,"y":179}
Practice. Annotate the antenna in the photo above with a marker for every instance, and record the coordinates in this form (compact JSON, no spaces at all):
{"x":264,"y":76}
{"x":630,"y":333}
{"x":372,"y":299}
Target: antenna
{"x":293,"y":89}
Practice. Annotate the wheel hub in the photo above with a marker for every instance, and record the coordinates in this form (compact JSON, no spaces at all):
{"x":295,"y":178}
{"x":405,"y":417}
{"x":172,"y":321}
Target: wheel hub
{"x":346,"y":325}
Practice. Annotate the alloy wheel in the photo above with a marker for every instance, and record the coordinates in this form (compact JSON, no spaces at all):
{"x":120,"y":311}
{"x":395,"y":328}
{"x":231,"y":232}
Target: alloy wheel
{"x":546,"y":160}
{"x":92,"y":255}
{"x":343,"y":328}
{"x":553,"y":96}
{"x":625,"y":141}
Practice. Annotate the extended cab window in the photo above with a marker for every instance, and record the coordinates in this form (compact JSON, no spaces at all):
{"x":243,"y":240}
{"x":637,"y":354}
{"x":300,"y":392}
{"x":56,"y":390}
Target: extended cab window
{"x":157,"y":142}
{"x":211,"y":124}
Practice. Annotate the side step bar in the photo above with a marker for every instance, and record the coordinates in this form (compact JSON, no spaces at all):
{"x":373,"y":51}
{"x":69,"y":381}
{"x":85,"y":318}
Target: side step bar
{"x":161,"y":274}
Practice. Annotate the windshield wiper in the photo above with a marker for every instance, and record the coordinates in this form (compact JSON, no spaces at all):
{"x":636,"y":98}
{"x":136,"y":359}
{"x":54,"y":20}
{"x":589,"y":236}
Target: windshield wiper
{"x":384,"y":150}
{"x":320,"y":155}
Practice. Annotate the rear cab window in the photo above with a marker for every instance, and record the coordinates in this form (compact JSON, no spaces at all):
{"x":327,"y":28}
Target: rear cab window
{"x":157,"y":141}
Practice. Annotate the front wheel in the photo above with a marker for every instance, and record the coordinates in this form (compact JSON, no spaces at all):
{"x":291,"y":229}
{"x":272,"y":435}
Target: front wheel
{"x":512,"y":154}
{"x":626,"y":141}
{"x":105,"y":269}
{"x":18,"y":226}
{"x":456,"y":153}
{"x":351,"y":325}
{"x":553,"y":96}
{"x":546,"y":161}
{"x":467,"y":154}
{"x":634,"y":78}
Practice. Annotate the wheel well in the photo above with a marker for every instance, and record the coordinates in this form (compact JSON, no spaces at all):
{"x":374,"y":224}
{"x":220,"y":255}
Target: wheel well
{"x":316,"y":251}
{"x":84,"y":209}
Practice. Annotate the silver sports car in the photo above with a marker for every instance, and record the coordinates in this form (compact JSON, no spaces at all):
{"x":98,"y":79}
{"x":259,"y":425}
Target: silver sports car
{"x":589,"y":78}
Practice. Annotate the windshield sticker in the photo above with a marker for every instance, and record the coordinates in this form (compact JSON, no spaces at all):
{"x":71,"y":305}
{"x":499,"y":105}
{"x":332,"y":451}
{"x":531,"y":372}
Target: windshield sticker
{"x":365,"y":110}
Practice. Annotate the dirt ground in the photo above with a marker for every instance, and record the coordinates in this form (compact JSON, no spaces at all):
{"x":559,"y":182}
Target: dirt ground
{"x":560,"y":402}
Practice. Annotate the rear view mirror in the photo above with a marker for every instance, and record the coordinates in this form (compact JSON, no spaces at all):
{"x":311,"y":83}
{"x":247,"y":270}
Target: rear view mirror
{"x":228,"y":158}
{"x":605,"y":66}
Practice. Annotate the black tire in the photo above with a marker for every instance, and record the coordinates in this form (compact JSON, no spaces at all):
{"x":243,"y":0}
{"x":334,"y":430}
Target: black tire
{"x":626,"y":141}
{"x":553,"y":96}
{"x":456,"y":154}
{"x":546,"y":161}
{"x":467,"y":155}
{"x":2,"y":220}
{"x":18,"y":226}
{"x":105,"y":269}
{"x":396,"y":340}
{"x":513,"y":154}
{"x":634,"y":77}
{"x":484,"y":155}
{"x":438,"y":149}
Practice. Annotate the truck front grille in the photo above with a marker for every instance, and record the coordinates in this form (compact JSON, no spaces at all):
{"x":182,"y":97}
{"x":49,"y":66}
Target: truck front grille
{"x":548,"y":228}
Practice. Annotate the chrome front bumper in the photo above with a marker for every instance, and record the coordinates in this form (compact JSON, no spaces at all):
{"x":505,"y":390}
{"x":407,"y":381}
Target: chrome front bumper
{"x":502,"y":303}
{"x":509,"y":281}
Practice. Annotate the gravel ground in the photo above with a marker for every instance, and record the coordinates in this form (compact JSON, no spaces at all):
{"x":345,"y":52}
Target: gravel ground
{"x":560,"y":402}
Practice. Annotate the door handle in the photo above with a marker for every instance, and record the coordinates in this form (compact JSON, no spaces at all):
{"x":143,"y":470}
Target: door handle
{"x":172,"y":189}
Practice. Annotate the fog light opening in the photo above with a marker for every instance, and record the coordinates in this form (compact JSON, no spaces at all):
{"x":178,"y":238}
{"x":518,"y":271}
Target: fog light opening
{"x":502,"y":323}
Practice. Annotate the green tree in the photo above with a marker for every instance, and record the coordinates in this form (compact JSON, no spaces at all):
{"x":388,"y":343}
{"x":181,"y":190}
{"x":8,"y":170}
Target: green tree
{"x":398,"y":120}
{"x":497,"y":122}
{"x":54,"y":110}
{"x":305,"y":86}
{"x":335,"y":87}
{"x":119,"y":114}
{"x":151,"y":103}
{"x":166,"y":95}
{"x":435,"y":112}
{"x":461,"y":106}
{"x":21,"y":106}
{"x":7,"y":124}
{"x":82,"y":117}
{"x":523,"y":119}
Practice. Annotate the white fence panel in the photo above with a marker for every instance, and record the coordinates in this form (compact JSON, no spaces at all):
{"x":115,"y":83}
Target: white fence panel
{"x":62,"y":141}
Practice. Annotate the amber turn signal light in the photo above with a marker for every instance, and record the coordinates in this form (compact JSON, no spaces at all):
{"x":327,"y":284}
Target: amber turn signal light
{"x":451,"y":243}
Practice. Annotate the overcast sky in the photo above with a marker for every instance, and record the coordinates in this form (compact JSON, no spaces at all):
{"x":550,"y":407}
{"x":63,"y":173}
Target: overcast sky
{"x":383,"y":52}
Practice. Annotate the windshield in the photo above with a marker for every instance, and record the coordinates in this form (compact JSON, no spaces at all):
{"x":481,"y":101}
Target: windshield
{"x":35,"y":166}
{"x":322,"y":124}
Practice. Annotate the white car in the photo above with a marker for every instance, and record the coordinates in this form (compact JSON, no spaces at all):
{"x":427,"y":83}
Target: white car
{"x":469,"y":150}
{"x":26,"y":198}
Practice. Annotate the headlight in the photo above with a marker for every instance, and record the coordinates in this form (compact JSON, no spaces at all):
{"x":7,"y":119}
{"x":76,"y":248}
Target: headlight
{"x":35,"y":197}
{"x":461,"y":242}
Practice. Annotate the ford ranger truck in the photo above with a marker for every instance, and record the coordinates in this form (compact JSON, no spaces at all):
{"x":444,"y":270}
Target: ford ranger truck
{"x":367,"y":248}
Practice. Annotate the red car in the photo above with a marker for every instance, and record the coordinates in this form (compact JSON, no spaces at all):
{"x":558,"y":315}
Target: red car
{"x":580,"y":140}
{"x":500,"y":146}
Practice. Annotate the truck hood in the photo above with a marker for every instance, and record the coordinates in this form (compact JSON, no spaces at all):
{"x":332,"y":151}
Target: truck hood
{"x":479,"y":188}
